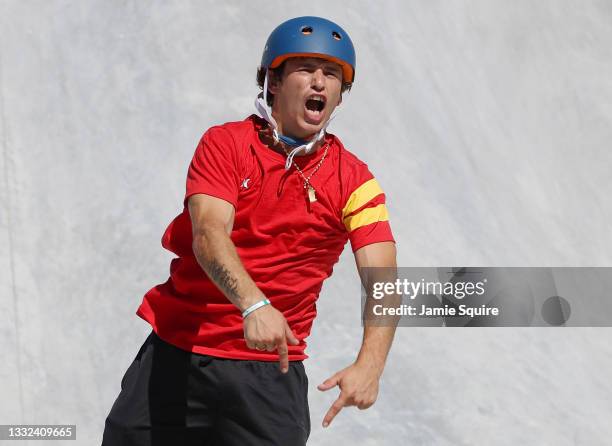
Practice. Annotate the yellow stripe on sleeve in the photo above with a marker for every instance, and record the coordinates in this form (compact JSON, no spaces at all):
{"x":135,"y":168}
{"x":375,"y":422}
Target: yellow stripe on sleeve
{"x":361,"y":196}
{"x":366,"y":217}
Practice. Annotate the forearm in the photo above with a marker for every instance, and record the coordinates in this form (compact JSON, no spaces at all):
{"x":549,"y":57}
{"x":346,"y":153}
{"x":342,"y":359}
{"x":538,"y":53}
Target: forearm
{"x":375,"y":347}
{"x":377,"y":263}
{"x":378,"y":333}
{"x":216,"y":254}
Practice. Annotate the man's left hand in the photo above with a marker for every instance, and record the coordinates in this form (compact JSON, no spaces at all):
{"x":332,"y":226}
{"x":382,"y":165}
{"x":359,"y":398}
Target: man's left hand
{"x":358,"y":387}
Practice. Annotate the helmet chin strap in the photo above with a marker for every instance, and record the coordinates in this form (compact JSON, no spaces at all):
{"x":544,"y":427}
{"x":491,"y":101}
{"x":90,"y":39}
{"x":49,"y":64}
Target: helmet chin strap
{"x":264,"y":110}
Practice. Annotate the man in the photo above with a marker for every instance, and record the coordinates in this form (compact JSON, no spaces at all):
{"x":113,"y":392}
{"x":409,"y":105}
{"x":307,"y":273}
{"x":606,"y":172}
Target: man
{"x":270,"y":204}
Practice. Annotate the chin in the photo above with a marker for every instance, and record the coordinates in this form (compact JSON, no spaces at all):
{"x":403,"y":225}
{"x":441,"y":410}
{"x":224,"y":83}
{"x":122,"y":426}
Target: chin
{"x":311,"y":129}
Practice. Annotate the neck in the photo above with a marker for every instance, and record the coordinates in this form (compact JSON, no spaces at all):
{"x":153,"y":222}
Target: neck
{"x":265,"y":136}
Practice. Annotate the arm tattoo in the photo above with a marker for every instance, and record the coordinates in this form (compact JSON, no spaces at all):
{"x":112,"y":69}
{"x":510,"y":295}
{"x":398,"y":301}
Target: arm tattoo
{"x":223,"y":279}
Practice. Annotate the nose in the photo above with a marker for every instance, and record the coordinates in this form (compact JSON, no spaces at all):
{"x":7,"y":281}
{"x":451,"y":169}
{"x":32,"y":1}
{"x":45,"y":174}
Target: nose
{"x":318,"y":79}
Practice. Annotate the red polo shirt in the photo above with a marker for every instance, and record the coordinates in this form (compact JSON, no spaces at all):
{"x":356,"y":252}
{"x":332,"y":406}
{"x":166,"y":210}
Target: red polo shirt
{"x":287,"y":244}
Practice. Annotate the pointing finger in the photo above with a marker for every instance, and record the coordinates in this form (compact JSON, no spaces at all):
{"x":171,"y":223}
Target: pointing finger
{"x":333,"y":410}
{"x":283,"y":356}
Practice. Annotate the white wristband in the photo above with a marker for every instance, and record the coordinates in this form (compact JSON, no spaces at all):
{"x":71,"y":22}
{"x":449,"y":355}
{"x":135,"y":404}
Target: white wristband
{"x":254,"y":307}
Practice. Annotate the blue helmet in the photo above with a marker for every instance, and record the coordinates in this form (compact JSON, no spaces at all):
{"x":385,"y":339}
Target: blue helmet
{"x":310,"y":37}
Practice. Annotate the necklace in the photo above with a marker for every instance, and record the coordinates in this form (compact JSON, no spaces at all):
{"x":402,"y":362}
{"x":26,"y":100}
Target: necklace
{"x":312,"y":195}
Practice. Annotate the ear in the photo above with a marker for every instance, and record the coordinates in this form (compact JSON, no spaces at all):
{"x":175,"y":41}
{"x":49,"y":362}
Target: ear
{"x":273,"y":83}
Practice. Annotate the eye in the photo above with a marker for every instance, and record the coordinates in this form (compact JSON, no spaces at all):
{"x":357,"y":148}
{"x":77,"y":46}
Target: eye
{"x":333,"y":73}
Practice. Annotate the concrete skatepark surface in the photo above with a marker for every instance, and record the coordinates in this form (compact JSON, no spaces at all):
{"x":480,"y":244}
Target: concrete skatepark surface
{"x":487,"y":123}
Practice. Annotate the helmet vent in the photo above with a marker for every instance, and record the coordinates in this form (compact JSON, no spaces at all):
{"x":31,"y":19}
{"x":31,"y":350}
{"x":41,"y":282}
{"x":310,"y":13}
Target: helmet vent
{"x":306,"y":30}
{"x":336,"y":35}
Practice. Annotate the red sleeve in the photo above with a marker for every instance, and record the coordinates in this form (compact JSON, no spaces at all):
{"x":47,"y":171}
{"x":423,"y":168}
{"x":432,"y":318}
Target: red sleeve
{"x":365,"y":213}
{"x":214,"y":167}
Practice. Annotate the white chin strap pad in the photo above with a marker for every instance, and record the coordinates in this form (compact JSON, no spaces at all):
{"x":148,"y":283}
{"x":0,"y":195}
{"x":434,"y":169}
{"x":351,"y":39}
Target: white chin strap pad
{"x":307,"y":148}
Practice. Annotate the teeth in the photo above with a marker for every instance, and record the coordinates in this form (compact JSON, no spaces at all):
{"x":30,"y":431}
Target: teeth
{"x":317,"y":98}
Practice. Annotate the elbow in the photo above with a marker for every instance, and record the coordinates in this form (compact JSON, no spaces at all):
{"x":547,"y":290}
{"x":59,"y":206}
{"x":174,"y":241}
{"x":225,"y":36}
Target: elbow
{"x":205,"y":239}
{"x":197,"y":245}
{"x":200,"y":244}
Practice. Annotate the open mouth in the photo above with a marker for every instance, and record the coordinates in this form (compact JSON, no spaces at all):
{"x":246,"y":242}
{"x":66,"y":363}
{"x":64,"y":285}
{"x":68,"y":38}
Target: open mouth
{"x":315,"y":103}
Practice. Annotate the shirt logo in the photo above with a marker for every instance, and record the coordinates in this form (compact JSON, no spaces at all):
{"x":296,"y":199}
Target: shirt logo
{"x":245,"y":183}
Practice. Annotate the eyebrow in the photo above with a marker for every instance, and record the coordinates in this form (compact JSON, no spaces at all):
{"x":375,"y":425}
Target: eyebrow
{"x":325,"y":65}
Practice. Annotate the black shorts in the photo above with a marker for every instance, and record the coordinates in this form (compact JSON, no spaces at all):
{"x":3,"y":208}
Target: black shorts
{"x":174,"y":397}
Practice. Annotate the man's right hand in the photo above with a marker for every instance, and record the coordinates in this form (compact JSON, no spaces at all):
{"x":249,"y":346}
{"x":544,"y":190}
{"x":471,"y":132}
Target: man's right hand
{"x":267,"y":329}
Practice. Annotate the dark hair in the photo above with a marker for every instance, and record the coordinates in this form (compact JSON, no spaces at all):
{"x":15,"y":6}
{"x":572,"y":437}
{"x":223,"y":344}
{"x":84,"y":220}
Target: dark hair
{"x":278,"y":73}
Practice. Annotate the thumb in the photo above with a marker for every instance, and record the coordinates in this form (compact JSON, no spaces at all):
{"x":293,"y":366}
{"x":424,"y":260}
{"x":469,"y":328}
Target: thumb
{"x":329,"y":383}
{"x":290,"y":336}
